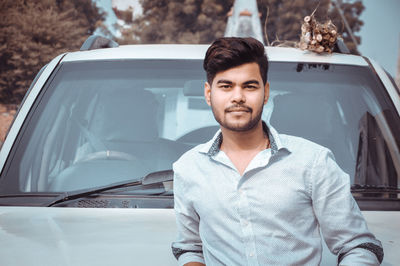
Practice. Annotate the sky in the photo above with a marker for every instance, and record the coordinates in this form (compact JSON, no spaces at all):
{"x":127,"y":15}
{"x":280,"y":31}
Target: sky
{"x":380,"y":34}
{"x":111,"y":19}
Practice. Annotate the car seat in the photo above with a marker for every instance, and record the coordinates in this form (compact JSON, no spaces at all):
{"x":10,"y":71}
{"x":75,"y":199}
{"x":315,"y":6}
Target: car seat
{"x":127,"y":120}
{"x":315,"y":118}
{"x":125,"y":115}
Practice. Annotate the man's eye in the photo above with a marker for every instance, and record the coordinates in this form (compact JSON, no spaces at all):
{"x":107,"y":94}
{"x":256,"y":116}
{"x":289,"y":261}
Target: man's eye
{"x":225,"y":86}
{"x":251,"y":87}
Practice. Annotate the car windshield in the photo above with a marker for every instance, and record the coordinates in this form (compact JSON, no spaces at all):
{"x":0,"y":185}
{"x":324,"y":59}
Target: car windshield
{"x":102,"y":122}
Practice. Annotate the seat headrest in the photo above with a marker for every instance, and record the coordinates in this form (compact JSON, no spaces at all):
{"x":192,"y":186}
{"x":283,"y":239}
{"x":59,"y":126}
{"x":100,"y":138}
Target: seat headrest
{"x":302,"y":115}
{"x":125,"y":115}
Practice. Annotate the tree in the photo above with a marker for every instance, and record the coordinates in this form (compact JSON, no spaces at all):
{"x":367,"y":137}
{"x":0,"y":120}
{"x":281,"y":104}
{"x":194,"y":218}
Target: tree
{"x":34,"y":32}
{"x":129,"y":29}
{"x":182,"y":21}
{"x":201,"y":21}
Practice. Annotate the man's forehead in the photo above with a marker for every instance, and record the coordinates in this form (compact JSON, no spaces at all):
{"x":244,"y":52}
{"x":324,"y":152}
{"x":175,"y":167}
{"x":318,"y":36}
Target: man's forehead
{"x":244,"y":72}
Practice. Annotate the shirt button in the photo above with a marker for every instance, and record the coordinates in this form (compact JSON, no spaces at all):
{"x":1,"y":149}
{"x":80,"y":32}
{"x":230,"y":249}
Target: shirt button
{"x":245,"y":223}
{"x":251,"y":254}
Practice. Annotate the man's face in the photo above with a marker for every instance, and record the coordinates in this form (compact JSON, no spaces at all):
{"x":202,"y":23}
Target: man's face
{"x":237,"y":97}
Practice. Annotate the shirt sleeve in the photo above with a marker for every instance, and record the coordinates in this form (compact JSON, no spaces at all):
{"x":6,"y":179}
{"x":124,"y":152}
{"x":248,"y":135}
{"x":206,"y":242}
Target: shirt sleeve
{"x":188,"y":245}
{"x":342,"y":225}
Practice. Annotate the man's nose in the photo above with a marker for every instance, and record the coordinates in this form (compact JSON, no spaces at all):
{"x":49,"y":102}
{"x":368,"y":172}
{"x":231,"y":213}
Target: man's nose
{"x":238,"y":95}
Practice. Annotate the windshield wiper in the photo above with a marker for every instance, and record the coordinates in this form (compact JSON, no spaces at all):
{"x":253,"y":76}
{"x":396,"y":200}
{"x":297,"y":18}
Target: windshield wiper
{"x":356,"y":188}
{"x":152,"y":178}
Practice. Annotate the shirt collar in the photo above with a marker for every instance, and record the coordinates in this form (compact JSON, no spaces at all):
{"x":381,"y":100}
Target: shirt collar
{"x":212,"y":147}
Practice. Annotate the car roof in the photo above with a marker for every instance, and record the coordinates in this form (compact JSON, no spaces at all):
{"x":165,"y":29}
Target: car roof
{"x":198,"y":51}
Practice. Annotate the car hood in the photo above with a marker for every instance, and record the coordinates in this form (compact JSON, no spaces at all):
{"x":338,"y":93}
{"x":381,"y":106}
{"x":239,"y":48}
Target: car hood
{"x":80,"y":236}
{"x":98,"y":236}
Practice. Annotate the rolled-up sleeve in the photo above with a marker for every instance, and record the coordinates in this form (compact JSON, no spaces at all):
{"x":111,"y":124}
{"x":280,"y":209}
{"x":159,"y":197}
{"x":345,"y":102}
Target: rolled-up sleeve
{"x":343,"y":227}
{"x":188,"y":245}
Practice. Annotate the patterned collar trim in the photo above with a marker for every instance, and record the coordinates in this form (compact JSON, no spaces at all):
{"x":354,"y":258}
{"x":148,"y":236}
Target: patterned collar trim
{"x":216,"y":145}
{"x":217,"y":141}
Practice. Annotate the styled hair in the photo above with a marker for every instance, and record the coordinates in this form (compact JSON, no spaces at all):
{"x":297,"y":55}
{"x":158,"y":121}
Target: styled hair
{"x":228,"y":52}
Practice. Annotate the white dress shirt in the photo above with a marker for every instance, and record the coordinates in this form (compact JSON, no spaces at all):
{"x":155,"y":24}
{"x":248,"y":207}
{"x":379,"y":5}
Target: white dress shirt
{"x":271,"y":215}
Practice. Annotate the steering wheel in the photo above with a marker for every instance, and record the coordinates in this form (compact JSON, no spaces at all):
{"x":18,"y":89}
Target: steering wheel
{"x":107,"y":155}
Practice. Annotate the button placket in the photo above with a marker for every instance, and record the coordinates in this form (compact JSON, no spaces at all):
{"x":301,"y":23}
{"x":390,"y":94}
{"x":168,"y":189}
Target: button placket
{"x":247,"y":230}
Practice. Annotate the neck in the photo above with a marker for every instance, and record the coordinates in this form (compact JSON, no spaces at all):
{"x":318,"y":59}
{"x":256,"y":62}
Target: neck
{"x":253,"y":139}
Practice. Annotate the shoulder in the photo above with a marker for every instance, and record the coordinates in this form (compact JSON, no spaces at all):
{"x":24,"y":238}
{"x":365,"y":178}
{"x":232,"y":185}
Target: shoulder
{"x":320,"y":169}
{"x":190,"y":157}
{"x":302,"y":146}
{"x":318,"y":159}
{"x":313,"y":157}
{"x":189,"y":168}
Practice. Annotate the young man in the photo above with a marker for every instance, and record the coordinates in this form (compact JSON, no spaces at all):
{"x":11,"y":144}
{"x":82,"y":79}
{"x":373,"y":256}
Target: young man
{"x":251,"y":196}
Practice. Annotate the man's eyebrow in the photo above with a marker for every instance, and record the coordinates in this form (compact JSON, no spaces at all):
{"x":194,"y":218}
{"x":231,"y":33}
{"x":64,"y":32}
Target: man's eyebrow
{"x":224,"y":81}
{"x":251,"y":82}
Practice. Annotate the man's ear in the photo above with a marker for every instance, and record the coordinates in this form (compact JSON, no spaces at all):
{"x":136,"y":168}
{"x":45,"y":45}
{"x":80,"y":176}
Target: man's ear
{"x":266,"y":92}
{"x":207,"y":93}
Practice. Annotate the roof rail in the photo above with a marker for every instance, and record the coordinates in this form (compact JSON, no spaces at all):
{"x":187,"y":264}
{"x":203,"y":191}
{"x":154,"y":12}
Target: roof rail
{"x":97,"y":42}
{"x":341,"y":47}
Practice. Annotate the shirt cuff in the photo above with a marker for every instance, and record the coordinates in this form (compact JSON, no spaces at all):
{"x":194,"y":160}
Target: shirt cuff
{"x":190,"y":257}
{"x":359,"y":256}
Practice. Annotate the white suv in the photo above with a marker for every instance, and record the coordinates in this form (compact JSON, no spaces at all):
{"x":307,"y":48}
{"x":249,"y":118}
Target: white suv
{"x":99,"y":129}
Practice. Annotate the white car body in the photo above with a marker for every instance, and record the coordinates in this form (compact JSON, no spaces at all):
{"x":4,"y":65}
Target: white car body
{"x":106,"y":236}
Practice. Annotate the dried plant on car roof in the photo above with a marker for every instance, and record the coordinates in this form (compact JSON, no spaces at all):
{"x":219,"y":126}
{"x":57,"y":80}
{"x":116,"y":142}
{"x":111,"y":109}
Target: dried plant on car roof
{"x":316,"y":36}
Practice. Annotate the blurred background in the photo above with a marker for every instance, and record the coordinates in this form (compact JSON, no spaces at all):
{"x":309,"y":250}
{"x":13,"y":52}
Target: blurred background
{"x":32,"y":32}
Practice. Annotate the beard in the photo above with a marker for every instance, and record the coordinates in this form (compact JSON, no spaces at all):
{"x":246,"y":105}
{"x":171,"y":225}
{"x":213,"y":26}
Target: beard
{"x":238,"y":126}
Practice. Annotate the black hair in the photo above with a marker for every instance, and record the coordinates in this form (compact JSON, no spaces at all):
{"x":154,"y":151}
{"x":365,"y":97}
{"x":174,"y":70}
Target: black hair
{"x":228,"y":52}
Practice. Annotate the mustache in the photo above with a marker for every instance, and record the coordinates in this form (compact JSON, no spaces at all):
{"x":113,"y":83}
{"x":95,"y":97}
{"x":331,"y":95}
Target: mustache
{"x":238,"y":107}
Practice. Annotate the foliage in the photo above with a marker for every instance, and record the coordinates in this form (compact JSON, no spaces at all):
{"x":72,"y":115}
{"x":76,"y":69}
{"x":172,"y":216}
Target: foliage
{"x":34,"y":32}
{"x":129,"y":29}
{"x":201,"y":21}
{"x":182,"y":21}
